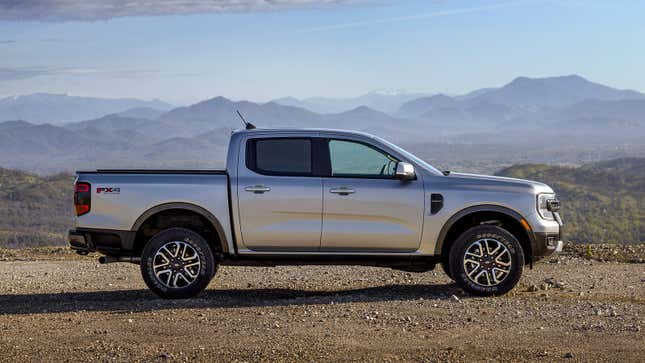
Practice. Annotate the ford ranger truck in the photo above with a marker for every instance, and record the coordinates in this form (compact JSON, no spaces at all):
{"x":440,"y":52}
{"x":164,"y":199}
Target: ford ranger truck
{"x":315,"y":197}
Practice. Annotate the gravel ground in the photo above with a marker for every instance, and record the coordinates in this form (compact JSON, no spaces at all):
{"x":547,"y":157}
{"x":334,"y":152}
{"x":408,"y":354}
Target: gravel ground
{"x":56,"y":307}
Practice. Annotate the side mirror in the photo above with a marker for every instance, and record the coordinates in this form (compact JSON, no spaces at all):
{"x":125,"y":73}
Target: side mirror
{"x":405,"y":171}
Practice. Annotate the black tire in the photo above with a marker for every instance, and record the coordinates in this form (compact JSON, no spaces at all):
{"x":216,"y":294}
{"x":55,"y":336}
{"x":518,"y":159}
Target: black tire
{"x":201,"y":253}
{"x":503,"y":268}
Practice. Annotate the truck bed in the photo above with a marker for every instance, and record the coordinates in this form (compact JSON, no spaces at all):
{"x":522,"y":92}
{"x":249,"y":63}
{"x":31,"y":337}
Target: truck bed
{"x":138,"y":194}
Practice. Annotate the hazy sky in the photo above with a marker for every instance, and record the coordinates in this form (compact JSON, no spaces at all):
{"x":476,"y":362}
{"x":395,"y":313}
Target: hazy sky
{"x":183,"y":51}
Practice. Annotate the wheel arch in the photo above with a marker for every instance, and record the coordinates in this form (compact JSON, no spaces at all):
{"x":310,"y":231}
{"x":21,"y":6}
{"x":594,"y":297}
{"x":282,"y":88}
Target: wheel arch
{"x":508,"y":218}
{"x":218,"y":241}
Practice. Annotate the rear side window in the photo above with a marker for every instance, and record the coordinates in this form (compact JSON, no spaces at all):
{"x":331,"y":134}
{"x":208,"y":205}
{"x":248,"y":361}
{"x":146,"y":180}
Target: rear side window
{"x":280,"y":156}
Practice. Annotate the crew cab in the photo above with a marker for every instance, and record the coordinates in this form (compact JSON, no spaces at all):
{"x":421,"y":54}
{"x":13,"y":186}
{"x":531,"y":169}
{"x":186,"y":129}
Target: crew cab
{"x":315,"y":196}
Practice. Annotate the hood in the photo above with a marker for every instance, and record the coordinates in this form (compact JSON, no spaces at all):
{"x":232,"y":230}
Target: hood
{"x":478,"y":181}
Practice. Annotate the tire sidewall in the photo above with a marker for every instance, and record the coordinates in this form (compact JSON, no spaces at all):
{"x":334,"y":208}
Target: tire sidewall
{"x":197,"y":242}
{"x":458,"y":250}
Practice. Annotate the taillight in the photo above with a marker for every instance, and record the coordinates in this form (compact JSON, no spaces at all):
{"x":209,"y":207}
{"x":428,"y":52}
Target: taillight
{"x":82,"y":198}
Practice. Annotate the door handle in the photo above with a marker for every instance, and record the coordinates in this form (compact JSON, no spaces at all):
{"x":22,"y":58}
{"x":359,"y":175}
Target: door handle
{"x":342,"y":191}
{"x":258,"y":189}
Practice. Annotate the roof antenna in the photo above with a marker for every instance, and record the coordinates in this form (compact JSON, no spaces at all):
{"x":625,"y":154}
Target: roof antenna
{"x":247,"y":125}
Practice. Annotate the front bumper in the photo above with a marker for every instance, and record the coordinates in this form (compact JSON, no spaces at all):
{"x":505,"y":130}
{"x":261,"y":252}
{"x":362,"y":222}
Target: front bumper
{"x":545,"y":244}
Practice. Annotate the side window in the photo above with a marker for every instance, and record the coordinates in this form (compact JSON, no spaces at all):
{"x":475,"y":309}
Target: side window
{"x":353,"y":159}
{"x":280,"y":156}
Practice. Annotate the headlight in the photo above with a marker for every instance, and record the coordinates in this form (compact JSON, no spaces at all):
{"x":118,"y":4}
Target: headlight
{"x":547,"y":203}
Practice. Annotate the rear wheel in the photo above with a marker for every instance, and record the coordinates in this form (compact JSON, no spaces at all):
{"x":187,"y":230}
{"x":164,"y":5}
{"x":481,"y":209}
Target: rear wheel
{"x":486,"y":260}
{"x":177,"y":263}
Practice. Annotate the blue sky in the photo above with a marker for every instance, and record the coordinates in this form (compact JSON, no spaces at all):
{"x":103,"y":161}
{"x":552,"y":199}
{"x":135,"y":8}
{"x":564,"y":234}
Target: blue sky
{"x":338,"y":50}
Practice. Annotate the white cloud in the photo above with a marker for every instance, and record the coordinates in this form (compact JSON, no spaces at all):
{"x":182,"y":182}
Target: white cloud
{"x":13,"y":74}
{"x":88,"y":10}
{"x":421,"y":16}
{"x":20,"y":73}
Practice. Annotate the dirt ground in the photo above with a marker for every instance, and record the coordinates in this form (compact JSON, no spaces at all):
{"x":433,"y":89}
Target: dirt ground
{"x":58,"y":307}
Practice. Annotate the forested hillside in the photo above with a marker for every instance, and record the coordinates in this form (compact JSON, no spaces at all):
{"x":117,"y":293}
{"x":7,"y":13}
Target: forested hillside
{"x":601,"y":202}
{"x":34,"y":210}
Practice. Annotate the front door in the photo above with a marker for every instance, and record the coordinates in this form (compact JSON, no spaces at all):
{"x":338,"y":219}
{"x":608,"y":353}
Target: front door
{"x":280,"y":199}
{"x":365,"y":208}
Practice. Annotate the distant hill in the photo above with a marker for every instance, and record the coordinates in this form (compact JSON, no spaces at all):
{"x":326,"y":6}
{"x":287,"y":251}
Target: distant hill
{"x":176,"y":139}
{"x":532,"y":94}
{"x":7,"y":125}
{"x":213,"y":144}
{"x":59,"y":108}
{"x":387,"y":102}
{"x":142,"y":112}
{"x":23,"y":138}
{"x":601,"y":202}
{"x":554,"y":92}
{"x":34,"y":211}
{"x":534,"y":108}
{"x":420,"y":106}
{"x":220,"y":112}
{"x":624,"y":167}
{"x":117,"y":126}
{"x":627,"y":109}
{"x":518,"y":122}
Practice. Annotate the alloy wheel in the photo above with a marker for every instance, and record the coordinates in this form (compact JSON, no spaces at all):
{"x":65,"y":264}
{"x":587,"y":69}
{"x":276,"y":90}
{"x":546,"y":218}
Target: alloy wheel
{"x":487,"y":262}
{"x":176,"y":264}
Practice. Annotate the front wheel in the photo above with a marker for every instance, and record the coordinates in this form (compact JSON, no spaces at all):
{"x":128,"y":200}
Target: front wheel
{"x":177,"y":263}
{"x":486,"y":260}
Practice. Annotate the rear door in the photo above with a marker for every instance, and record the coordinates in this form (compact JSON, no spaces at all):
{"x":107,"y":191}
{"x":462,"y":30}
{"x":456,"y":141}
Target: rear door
{"x":280,"y":195}
{"x":365,"y":208}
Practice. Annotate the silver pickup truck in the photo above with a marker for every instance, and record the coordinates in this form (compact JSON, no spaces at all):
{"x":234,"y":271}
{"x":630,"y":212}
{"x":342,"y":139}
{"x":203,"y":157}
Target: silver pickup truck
{"x":309,"y":196}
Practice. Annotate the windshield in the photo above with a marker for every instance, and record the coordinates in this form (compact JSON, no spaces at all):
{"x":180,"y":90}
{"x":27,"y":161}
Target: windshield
{"x":409,"y":155}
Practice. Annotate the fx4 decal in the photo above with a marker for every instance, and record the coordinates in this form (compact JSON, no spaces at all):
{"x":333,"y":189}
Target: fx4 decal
{"x":108,"y":190}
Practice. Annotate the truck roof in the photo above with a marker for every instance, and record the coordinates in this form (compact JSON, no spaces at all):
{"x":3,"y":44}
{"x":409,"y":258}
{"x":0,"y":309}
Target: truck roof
{"x":304,"y":129}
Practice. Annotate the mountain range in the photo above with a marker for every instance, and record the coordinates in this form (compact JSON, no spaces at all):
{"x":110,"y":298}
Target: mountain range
{"x":568,"y":119}
{"x":383,"y":101}
{"x":59,"y":108}
{"x":177,"y":138}
{"x":552,"y":92}
{"x":530,"y":103}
